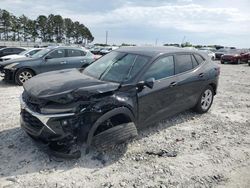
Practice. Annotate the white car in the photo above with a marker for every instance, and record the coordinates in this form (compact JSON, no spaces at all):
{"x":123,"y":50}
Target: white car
{"x":209,"y":53}
{"x":108,"y":49}
{"x":26,"y":53}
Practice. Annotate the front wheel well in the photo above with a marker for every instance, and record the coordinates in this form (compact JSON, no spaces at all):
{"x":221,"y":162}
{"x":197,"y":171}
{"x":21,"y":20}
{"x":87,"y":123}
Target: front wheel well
{"x":113,"y":121}
{"x":34,"y":73}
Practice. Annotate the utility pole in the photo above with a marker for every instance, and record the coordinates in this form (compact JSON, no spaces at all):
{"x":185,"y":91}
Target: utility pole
{"x":156,"y":42}
{"x":183,"y":40}
{"x":107,"y":33}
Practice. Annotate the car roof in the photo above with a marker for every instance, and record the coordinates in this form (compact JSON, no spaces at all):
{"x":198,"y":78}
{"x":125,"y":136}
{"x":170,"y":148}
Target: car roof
{"x":64,"y":47}
{"x":14,"y":48}
{"x":152,"y":51}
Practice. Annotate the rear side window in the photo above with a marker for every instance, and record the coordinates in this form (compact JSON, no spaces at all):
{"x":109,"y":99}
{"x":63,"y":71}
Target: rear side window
{"x":7,"y":50}
{"x":17,"y":50}
{"x":75,"y":53}
{"x":183,"y":63}
{"x":199,"y":58}
{"x":162,"y":68}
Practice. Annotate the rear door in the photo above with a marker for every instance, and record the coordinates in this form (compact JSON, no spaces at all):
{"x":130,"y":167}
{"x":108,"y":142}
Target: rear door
{"x":77,"y":58}
{"x":55,"y":60}
{"x":158,"y":102}
{"x":190,"y":80}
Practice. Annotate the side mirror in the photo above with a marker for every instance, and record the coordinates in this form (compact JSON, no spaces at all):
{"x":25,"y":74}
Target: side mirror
{"x":149,"y":83}
{"x":48,"y":57}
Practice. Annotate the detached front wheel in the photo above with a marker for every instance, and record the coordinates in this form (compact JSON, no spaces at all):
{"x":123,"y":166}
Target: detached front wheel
{"x":23,"y":75}
{"x":205,"y":100}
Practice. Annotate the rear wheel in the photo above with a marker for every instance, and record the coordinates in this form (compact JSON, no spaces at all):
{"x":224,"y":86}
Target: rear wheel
{"x":23,"y":75}
{"x":205,"y":101}
{"x":222,"y":62}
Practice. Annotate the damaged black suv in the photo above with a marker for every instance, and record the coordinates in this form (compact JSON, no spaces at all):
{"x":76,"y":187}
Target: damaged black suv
{"x":118,"y":94}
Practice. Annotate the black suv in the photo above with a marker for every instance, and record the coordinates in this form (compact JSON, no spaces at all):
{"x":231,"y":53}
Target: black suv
{"x":112,"y":98}
{"x":49,"y":59}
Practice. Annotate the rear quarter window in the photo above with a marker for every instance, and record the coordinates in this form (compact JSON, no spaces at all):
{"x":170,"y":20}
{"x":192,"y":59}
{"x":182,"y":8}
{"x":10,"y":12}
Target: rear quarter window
{"x":199,"y":58}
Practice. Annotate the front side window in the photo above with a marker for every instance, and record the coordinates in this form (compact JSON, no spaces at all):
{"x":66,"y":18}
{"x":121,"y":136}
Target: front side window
{"x":41,"y":53}
{"x":183,"y":63}
{"x":75,"y":53}
{"x":116,"y":66}
{"x":162,"y":68}
{"x":57,"y":54}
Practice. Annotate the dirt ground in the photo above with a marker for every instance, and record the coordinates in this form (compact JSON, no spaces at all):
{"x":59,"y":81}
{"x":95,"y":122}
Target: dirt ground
{"x":210,"y":150}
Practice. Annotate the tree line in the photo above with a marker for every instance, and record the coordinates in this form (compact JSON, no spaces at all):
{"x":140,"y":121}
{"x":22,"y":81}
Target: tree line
{"x":52,"y":28}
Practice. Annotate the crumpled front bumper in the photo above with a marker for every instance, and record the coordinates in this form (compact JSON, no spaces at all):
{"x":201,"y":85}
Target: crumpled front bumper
{"x":44,"y":126}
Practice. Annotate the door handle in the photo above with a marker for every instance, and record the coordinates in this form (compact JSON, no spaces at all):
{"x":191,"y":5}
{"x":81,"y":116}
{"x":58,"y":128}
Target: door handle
{"x":173,"y":84}
{"x":201,"y":75}
{"x":83,"y":61}
{"x":63,"y":62}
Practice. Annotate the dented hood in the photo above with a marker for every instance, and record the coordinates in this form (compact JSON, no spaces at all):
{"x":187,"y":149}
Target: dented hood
{"x":59,"y":83}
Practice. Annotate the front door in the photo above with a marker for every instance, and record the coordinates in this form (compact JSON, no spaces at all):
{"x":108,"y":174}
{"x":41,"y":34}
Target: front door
{"x":159,"y":102}
{"x":56,"y":60}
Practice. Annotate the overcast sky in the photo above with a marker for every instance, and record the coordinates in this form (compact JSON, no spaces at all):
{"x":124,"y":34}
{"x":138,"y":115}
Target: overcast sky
{"x":225,"y":22}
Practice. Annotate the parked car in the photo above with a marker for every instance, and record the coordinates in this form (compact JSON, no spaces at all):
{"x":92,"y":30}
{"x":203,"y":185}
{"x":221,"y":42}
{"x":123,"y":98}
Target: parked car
{"x":190,"y":48}
{"x":208,"y":48}
{"x":26,"y":53}
{"x":106,"y":50}
{"x":232,"y":56}
{"x":245,"y":57}
{"x":123,"y":91}
{"x":209,"y":53}
{"x":49,"y":59}
{"x":220,"y":53}
{"x":96,"y":50}
{"x":10,"y":51}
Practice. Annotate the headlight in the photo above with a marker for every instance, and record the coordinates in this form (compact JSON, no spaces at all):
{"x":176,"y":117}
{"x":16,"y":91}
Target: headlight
{"x":11,"y":66}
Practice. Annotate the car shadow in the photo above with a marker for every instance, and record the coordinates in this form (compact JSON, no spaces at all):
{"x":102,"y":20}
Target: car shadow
{"x":19,"y":154}
{"x":4,"y":84}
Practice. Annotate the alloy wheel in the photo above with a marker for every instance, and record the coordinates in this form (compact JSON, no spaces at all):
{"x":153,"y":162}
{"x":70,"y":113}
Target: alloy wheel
{"x":206,"y":99}
{"x":24,"y":76}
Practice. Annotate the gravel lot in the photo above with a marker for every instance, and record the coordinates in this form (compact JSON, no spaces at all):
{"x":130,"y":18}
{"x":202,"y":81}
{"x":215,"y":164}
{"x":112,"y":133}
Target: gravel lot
{"x":210,"y":150}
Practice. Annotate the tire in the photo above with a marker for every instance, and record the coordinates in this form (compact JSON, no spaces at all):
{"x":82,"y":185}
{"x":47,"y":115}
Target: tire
{"x":22,"y":76}
{"x":222,"y":62}
{"x":205,"y":100}
{"x":238,"y":61}
{"x":116,"y":135}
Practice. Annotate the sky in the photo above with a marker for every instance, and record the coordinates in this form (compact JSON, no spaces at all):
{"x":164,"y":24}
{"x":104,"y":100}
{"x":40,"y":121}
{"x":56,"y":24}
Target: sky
{"x":150,"y":22}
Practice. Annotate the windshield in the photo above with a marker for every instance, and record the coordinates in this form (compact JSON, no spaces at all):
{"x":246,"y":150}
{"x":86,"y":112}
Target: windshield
{"x":41,"y":53}
{"x":24,"y":52}
{"x":116,"y":66}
